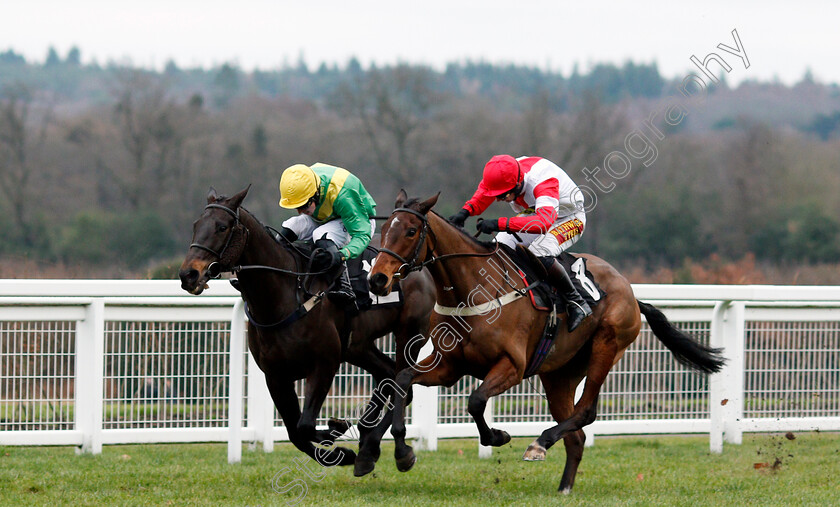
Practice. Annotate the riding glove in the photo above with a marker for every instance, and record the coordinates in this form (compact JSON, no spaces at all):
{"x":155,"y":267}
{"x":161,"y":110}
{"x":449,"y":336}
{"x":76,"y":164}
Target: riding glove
{"x":459,"y":218}
{"x":487,"y":226}
{"x":326,"y":259}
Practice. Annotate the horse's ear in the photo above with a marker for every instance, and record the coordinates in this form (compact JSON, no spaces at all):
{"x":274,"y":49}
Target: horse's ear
{"x":426,"y":205}
{"x":212,"y":196}
{"x":236,"y":200}
{"x":401,"y":197}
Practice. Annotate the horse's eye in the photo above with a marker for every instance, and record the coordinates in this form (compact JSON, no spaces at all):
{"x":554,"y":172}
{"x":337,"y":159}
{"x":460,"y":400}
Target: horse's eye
{"x":222,"y":228}
{"x":411,"y":232}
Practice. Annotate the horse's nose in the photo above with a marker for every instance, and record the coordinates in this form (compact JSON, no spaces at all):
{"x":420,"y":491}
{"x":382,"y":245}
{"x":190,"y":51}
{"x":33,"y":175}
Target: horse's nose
{"x":189,"y":277}
{"x":378,"y":281}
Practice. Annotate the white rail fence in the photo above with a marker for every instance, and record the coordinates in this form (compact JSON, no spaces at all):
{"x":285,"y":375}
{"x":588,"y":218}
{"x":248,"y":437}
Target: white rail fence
{"x":94,"y":362}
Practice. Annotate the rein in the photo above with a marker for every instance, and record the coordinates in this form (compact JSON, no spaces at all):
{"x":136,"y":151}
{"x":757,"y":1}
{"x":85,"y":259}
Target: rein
{"x":412,"y":264}
{"x":216,"y":268}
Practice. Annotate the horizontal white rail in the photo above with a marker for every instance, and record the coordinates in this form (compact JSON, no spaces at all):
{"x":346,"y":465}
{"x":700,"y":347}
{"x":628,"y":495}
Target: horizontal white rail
{"x":93,"y":362}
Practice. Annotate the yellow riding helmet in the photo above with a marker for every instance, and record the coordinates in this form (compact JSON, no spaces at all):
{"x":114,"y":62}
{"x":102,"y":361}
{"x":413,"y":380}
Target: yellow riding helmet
{"x":298,"y":184}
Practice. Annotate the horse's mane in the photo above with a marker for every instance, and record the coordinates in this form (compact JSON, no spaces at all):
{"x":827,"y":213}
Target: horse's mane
{"x":489,"y":245}
{"x":273,"y":234}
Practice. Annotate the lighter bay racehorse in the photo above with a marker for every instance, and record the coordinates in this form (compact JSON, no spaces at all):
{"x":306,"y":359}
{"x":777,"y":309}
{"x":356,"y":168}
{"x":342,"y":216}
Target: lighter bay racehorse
{"x":485,"y":326}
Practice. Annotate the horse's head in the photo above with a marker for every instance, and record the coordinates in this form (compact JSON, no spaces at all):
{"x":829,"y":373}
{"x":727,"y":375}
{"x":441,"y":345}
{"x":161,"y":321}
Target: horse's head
{"x":404,"y":246}
{"x":218,"y":240}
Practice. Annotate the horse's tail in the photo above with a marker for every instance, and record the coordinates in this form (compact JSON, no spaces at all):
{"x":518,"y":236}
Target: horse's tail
{"x":685,"y":349}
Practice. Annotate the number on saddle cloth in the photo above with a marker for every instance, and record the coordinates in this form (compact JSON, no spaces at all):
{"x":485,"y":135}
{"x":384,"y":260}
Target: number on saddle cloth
{"x":543,"y":297}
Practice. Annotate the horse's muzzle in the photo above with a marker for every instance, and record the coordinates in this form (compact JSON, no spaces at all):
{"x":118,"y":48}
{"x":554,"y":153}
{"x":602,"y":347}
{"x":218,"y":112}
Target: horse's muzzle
{"x":192,"y":281}
{"x":379,"y":284}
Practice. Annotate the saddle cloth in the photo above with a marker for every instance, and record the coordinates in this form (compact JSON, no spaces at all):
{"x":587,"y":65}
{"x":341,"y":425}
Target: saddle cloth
{"x":359,"y":269}
{"x":544,"y":296}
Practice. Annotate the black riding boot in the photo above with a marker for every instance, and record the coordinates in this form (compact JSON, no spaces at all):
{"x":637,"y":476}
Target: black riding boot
{"x":341,"y":291}
{"x":576,"y":307}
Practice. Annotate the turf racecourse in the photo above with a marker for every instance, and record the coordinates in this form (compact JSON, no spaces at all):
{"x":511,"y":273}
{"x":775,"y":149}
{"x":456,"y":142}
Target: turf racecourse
{"x":767,"y":469}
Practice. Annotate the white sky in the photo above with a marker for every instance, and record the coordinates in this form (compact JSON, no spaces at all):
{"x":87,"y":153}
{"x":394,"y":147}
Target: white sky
{"x":781,"y":39}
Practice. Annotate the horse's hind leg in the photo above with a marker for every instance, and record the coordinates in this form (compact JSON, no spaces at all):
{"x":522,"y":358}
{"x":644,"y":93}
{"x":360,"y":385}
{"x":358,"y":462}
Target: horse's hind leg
{"x":501,"y":377}
{"x":560,"y":391}
{"x":285,"y":399}
{"x":601,"y":359}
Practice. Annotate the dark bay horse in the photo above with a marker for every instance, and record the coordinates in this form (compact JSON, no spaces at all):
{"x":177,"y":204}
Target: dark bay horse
{"x":476,"y":332}
{"x":295,"y":334}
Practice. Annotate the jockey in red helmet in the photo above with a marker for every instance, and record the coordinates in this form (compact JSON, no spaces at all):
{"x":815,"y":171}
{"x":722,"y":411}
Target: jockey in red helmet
{"x":550,"y":216}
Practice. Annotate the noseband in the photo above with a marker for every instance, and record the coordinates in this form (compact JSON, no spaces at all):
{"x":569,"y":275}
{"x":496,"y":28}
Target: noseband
{"x":410,"y":264}
{"x":215,"y":268}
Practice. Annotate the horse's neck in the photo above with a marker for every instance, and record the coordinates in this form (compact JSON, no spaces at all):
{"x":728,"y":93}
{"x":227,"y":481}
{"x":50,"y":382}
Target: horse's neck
{"x":457,"y":277}
{"x":263,"y":250}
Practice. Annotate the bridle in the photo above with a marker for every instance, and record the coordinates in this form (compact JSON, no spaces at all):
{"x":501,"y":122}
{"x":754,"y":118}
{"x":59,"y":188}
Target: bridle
{"x":411,"y":264}
{"x":215,"y":268}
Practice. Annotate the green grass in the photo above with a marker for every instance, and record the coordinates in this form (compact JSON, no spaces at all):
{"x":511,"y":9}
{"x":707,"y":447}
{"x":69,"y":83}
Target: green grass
{"x":616,"y":471}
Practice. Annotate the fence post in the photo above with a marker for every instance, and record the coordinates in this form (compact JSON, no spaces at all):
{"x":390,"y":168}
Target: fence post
{"x":717,"y":385}
{"x":236,"y":391}
{"x":486,"y":451}
{"x":424,"y":413}
{"x":260,"y":406}
{"x":90,"y":367}
{"x":588,"y":432}
{"x":734,"y":372}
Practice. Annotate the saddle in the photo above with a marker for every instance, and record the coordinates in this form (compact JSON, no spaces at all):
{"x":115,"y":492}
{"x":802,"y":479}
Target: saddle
{"x":545,"y":297}
{"x":358,"y":270}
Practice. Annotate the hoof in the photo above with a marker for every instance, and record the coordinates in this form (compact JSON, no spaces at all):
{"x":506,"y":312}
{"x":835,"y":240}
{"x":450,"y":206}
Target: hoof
{"x":363,"y":467}
{"x":405,"y":463}
{"x":338,"y":426}
{"x":498,"y":438}
{"x":366,"y":462}
{"x":535,"y":452}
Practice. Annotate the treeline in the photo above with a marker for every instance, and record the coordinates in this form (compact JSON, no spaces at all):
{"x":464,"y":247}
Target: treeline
{"x":105,"y":167}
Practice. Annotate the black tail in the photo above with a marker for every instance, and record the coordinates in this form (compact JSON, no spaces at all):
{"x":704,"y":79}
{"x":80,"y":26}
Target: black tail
{"x":685,"y":349}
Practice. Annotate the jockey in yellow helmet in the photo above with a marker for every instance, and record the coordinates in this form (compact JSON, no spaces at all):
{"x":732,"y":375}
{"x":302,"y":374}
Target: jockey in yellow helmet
{"x":336,"y":211}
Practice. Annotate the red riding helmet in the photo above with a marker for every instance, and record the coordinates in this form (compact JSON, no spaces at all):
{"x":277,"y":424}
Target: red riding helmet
{"x":501,"y":174}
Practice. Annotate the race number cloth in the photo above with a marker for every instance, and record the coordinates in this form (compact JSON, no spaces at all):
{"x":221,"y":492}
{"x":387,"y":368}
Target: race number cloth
{"x":359,"y":269}
{"x":542,"y":296}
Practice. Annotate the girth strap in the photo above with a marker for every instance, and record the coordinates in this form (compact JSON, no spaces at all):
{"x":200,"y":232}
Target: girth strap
{"x":298,"y":314}
{"x":482,"y":309}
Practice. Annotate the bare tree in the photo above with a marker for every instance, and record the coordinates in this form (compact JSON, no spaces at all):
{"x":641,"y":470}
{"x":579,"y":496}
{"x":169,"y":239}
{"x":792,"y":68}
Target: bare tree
{"x":20,"y":141}
{"x":587,"y":138}
{"x":151,"y":130}
{"x":393,"y":106}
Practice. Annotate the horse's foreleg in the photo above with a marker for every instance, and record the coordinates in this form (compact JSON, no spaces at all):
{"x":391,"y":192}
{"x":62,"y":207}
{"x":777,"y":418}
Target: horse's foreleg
{"x":372,"y":423}
{"x":501,"y":377}
{"x":317,"y":387}
{"x":433,"y":370}
{"x":285,"y":399}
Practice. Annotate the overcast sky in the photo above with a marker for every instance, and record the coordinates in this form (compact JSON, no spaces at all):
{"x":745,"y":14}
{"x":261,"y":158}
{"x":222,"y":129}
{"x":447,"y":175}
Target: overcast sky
{"x":781,"y":39}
